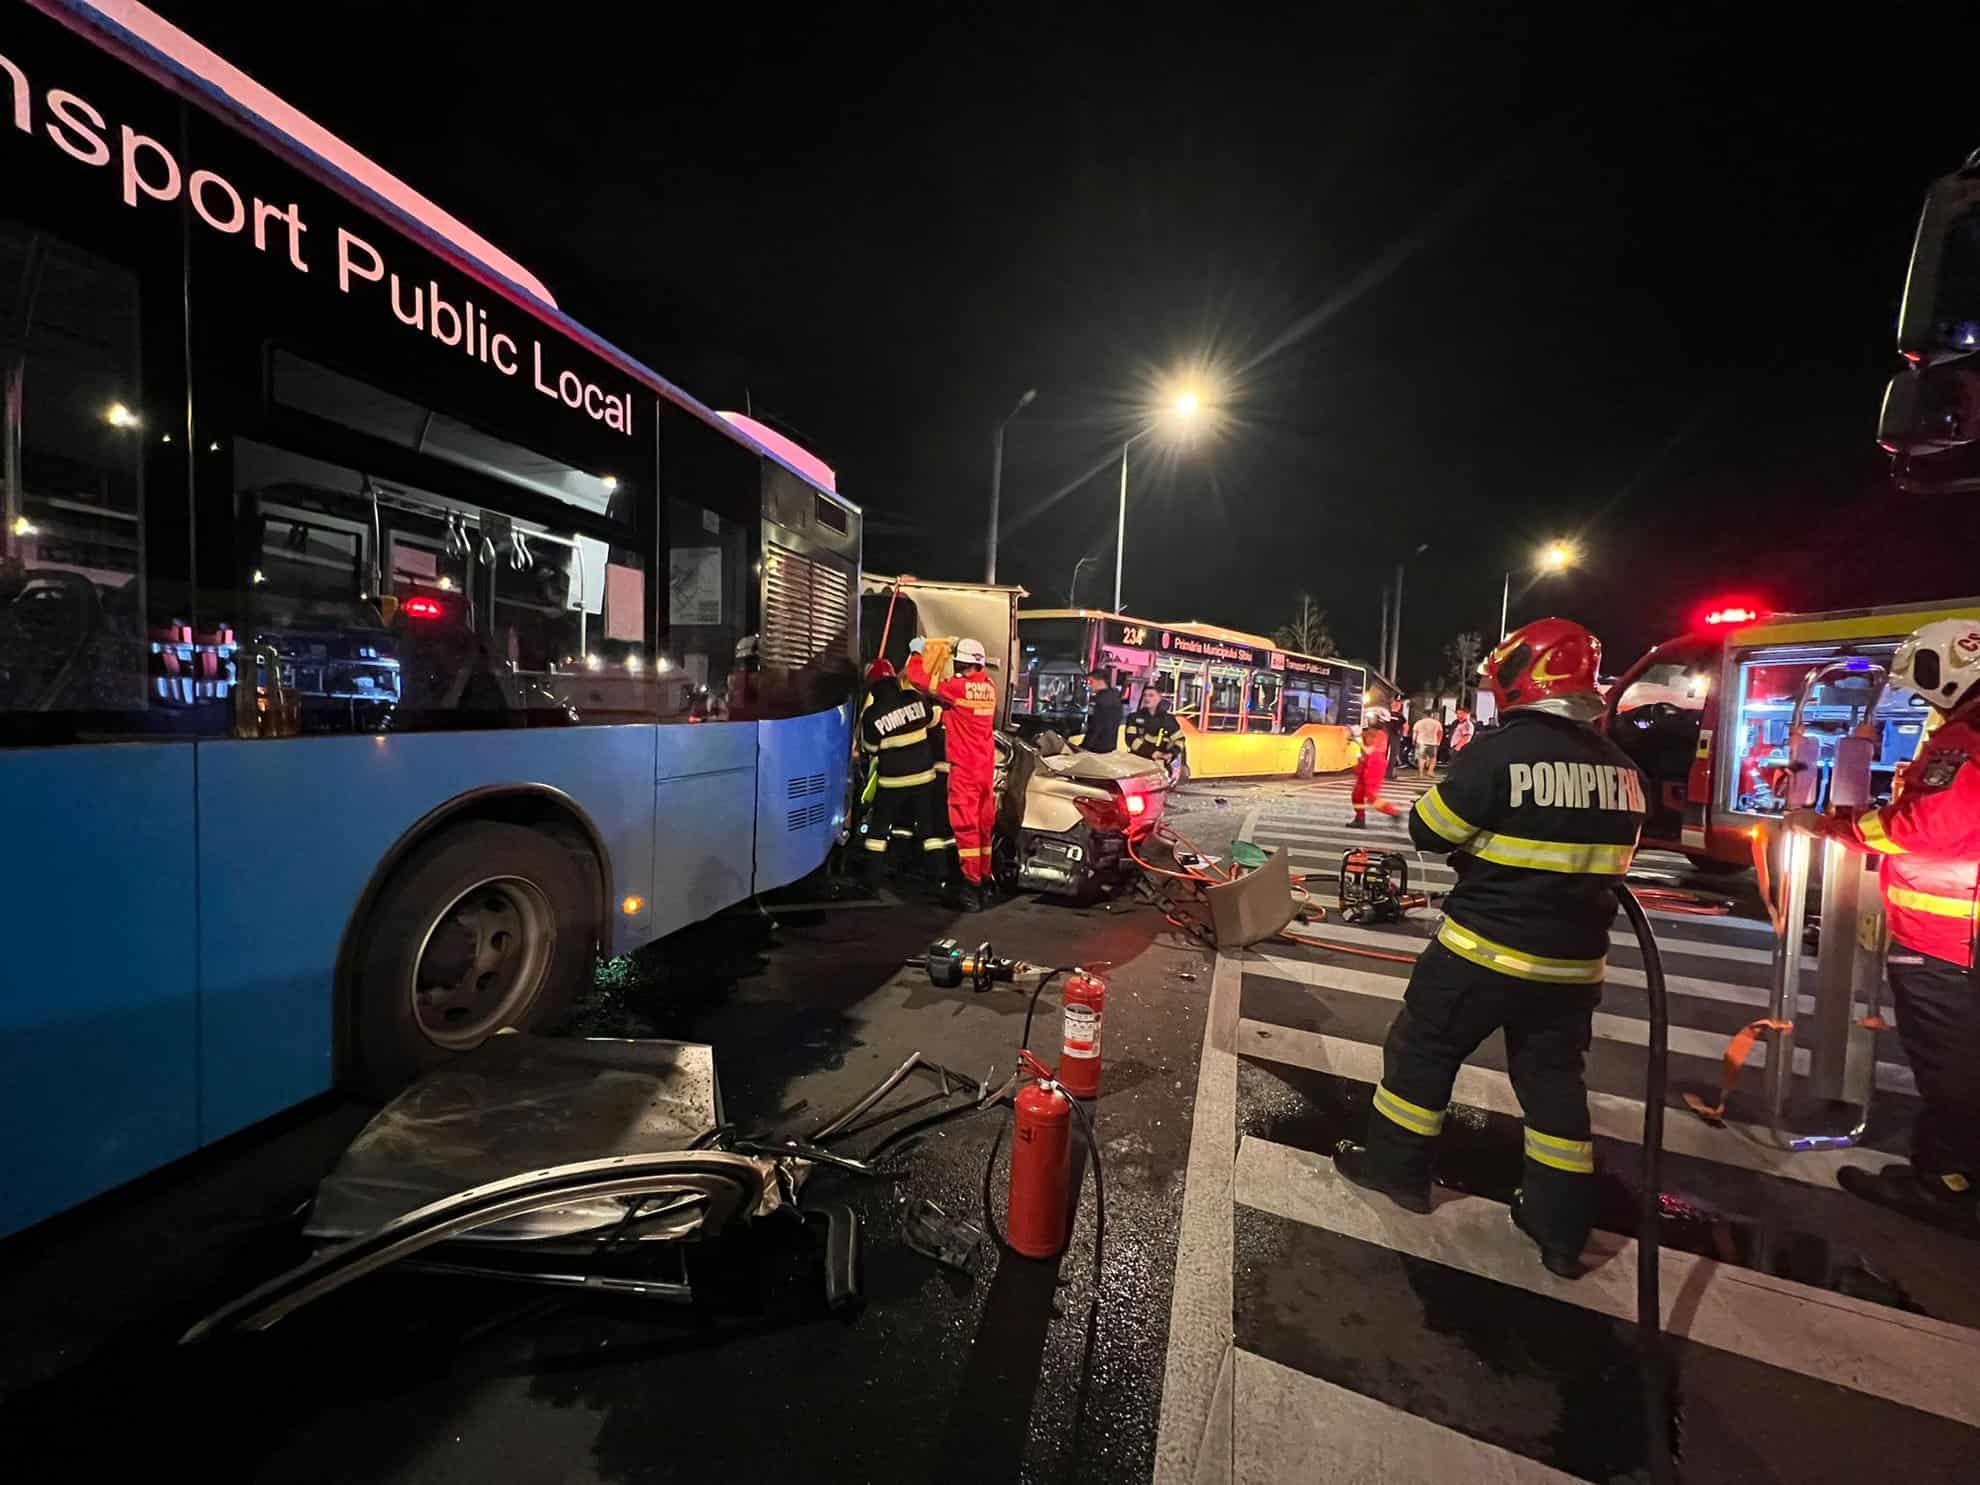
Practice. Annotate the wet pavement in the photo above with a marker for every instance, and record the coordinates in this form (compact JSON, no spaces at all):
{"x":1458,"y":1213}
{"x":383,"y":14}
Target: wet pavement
{"x":1004,"y":1373}
{"x":1809,"y":1336}
{"x":1258,"y":1320}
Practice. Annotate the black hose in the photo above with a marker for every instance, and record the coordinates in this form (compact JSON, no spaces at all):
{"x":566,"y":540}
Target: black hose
{"x":1652,"y":1366}
{"x":1024,"y":1043}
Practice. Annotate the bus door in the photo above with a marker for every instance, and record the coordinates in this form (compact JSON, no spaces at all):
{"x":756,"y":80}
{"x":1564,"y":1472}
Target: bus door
{"x":1186,"y":690}
{"x":1261,"y":707}
{"x":1227,"y":688}
{"x":98,"y":670}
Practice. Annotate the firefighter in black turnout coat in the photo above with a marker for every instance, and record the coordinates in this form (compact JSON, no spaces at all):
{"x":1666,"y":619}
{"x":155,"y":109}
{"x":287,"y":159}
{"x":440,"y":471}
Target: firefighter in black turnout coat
{"x":893,"y":730}
{"x":1540,"y":819}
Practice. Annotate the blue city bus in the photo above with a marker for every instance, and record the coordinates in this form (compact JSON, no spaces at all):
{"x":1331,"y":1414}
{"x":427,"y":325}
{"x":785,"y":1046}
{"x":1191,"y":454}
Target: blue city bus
{"x":377,"y":645}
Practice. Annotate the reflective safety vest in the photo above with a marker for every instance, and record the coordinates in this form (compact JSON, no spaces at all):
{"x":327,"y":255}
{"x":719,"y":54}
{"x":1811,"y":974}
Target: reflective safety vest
{"x":1929,"y":839}
{"x":893,"y":727}
{"x":1540,"y":819}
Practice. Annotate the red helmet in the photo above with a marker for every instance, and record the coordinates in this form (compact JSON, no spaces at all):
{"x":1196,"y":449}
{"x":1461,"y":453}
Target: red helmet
{"x":880,"y":670}
{"x":1550,"y":663}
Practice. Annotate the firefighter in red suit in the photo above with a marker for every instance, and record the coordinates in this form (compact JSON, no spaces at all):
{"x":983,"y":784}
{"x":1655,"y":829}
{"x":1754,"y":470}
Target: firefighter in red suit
{"x":1369,"y":773}
{"x":1928,"y":839}
{"x":969,"y":700}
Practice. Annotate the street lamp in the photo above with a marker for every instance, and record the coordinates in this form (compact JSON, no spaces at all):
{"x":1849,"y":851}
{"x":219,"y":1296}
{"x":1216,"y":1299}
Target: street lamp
{"x":1182,"y":410}
{"x":1072,"y":590}
{"x":1555,"y":556}
{"x":997,"y":482}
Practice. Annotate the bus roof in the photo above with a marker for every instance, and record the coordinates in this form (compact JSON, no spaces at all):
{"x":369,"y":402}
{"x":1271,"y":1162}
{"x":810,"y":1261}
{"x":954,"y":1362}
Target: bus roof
{"x":155,"y":46}
{"x":1195,"y":626}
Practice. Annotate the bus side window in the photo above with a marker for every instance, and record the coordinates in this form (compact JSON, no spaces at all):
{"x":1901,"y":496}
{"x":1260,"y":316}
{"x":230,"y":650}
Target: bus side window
{"x":436,"y":576}
{"x":76,"y":658}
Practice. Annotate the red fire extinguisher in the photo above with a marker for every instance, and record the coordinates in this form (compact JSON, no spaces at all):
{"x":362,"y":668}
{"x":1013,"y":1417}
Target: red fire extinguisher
{"x":1085,"y":1011}
{"x":1041,"y":1165}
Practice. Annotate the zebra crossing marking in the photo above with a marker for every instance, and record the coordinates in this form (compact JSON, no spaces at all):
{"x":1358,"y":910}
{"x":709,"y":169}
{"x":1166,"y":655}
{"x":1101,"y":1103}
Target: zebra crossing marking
{"x":1904,"y":1358}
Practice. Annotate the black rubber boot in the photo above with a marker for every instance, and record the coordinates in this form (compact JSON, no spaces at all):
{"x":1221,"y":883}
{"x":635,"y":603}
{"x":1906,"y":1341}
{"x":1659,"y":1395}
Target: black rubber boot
{"x":1359,"y":1164}
{"x":1557,"y":1261}
{"x":1927,"y":1198}
{"x":969,"y":898}
{"x":1359,"y":822}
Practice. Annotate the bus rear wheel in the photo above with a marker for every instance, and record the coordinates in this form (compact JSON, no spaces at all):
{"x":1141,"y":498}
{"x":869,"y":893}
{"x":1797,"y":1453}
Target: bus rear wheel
{"x":1306,"y":759}
{"x":485,"y":927}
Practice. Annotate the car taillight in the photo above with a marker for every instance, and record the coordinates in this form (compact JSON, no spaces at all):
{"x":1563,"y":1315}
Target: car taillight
{"x":1136,"y":804}
{"x":1103,"y":814}
{"x":423,"y":608}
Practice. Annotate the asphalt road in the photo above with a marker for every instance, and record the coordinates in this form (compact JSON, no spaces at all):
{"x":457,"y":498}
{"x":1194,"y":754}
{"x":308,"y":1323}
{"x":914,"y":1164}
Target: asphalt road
{"x":990,"y":1375}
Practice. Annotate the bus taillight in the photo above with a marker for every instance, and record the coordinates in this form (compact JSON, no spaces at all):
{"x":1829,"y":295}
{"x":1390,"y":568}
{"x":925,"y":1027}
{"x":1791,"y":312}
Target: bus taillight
{"x":424,"y":608}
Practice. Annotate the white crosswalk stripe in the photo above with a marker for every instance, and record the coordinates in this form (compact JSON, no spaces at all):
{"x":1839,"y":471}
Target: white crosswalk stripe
{"x":1268,"y":1393}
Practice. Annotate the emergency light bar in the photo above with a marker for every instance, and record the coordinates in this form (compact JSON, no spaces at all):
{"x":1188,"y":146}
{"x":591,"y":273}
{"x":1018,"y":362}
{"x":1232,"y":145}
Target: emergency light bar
{"x":1732,"y":615}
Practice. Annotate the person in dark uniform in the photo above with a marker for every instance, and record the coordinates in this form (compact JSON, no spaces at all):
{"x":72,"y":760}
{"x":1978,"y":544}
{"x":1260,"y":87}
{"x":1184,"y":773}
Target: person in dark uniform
{"x":893,"y":731}
{"x":1103,"y":717}
{"x":1151,"y":729}
{"x":1540,"y":819}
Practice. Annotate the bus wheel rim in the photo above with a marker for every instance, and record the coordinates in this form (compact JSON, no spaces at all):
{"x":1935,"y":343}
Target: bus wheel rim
{"x":482,"y":961}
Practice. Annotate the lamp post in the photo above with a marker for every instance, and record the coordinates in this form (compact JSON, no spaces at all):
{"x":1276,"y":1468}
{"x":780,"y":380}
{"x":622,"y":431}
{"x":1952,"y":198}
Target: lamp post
{"x":997,"y":482}
{"x":1185,"y":408}
{"x":1072,"y":590}
{"x":1392,"y":661}
{"x":1556,"y":556}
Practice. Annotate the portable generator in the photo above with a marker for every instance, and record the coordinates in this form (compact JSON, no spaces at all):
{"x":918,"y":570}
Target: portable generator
{"x":1374,"y":887}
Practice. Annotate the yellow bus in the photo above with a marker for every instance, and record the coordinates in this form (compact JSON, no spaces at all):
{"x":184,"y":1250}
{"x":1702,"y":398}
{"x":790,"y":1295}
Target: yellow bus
{"x":1247,"y":708}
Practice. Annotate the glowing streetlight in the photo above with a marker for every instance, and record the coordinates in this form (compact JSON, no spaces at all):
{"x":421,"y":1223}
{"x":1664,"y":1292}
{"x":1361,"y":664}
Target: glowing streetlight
{"x":1183,"y":409}
{"x":119,"y":416}
{"x":1555,"y":556}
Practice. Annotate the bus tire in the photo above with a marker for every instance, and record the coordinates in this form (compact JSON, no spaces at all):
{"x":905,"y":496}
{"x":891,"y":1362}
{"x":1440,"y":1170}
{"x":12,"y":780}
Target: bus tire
{"x":1306,"y":757}
{"x":486,"y":926}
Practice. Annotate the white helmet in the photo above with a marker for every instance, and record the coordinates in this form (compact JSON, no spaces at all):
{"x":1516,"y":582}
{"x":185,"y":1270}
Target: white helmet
{"x":1940,"y":661}
{"x":969,"y":652}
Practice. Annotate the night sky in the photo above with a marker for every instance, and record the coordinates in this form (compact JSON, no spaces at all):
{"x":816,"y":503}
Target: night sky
{"x":1466,"y":280}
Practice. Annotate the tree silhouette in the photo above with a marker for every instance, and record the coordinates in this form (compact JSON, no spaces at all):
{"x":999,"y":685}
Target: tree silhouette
{"x":1308,"y":633}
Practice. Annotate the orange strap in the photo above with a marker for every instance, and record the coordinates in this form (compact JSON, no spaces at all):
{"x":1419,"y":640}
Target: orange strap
{"x":1737,"y":1051}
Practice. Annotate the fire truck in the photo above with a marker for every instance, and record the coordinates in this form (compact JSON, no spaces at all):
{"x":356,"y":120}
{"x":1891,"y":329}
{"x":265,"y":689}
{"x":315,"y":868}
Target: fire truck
{"x":1706,"y":715}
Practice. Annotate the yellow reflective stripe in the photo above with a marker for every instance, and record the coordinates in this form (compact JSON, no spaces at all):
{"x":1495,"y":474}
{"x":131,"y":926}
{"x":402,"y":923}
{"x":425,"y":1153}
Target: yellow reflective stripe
{"x":1483,"y":951}
{"x":1441,"y":818}
{"x":970,"y":852}
{"x":1871,"y":826}
{"x":1551,"y":855}
{"x":876,"y":844}
{"x":1577,"y":1156}
{"x":908,"y":780}
{"x":938,"y":845}
{"x":1927,"y":902}
{"x":905,"y":739}
{"x":1411,"y":1116}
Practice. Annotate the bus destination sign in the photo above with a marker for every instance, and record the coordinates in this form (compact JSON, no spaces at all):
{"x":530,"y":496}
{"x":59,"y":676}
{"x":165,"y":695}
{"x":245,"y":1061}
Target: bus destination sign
{"x":1177,"y":642}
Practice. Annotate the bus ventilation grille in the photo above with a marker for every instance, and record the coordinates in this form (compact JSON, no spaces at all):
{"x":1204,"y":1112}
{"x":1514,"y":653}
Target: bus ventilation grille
{"x":807,"y":816}
{"x":804,"y":785}
{"x":807,"y":607}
